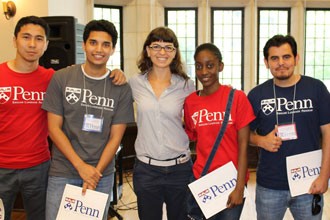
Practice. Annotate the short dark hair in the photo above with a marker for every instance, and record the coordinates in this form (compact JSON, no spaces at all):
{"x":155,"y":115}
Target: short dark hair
{"x":32,"y":20}
{"x":210,"y":47}
{"x":279,"y":40}
{"x":101,"y":25}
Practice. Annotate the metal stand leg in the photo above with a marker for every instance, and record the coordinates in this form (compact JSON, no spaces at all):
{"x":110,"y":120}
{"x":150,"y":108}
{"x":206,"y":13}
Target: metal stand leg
{"x":117,"y":188}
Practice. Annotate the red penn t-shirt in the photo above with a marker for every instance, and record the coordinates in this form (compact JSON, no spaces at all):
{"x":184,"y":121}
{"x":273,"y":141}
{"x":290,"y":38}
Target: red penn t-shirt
{"x":23,"y":124}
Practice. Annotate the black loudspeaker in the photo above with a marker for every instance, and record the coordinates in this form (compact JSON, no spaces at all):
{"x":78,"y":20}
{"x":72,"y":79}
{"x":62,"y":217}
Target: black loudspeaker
{"x":65,"y":43}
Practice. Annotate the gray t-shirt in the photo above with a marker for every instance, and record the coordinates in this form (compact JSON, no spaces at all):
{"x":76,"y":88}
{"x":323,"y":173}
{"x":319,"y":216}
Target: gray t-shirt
{"x":71,"y":94}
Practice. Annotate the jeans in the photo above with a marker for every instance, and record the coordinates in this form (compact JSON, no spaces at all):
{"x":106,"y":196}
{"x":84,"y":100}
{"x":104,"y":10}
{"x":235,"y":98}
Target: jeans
{"x":272,"y":204}
{"x":195,"y":213}
{"x":31,"y":183}
{"x":56,"y":187}
{"x":155,"y":185}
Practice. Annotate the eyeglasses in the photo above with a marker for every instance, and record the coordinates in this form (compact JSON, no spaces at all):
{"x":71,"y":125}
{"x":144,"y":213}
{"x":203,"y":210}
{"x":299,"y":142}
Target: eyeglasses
{"x":316,"y":208}
{"x":157,"y":47}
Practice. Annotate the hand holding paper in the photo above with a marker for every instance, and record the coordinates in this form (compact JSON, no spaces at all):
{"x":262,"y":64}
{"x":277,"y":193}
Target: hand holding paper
{"x":86,"y":186}
{"x":89,"y":174}
{"x":235,"y":198}
{"x":319,"y":185}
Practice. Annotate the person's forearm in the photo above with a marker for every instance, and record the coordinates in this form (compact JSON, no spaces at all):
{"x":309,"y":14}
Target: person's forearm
{"x":254,"y":139}
{"x":325,"y":165}
{"x":243,"y":137}
{"x":61,"y":141}
{"x":109,"y":152}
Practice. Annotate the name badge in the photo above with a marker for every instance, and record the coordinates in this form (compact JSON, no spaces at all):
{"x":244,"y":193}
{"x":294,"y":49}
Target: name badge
{"x":287,"y":132}
{"x":92,"y":124}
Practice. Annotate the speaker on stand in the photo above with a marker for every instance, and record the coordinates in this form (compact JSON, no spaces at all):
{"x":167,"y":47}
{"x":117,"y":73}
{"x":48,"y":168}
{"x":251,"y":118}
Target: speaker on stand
{"x":65,"y":43}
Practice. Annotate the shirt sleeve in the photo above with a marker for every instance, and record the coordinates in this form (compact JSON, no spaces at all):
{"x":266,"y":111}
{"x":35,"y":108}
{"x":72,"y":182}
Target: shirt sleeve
{"x":188,"y":122}
{"x":324,"y":102}
{"x":244,"y":110}
{"x":252,"y":99}
{"x":53,"y":98}
{"x":124,"y":113}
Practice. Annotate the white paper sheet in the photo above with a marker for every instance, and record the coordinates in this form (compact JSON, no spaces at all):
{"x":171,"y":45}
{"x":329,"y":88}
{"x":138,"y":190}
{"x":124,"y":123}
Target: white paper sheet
{"x":212,"y":190}
{"x":2,"y":210}
{"x":302,"y":170}
{"x":78,"y":207}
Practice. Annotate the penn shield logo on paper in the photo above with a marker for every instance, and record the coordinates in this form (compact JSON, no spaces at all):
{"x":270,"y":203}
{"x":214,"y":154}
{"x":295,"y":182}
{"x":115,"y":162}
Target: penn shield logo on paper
{"x":213,"y":191}
{"x":77,"y":206}
{"x":304,"y":172}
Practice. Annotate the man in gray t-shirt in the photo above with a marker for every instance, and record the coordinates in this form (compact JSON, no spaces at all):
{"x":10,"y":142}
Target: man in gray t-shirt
{"x":87,"y":117}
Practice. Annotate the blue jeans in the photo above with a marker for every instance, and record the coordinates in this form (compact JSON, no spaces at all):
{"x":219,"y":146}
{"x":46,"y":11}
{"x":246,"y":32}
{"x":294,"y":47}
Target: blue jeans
{"x":31,"y":183}
{"x":272,"y":205}
{"x":56,"y":187}
{"x":155,"y":185}
{"x":195,"y":213}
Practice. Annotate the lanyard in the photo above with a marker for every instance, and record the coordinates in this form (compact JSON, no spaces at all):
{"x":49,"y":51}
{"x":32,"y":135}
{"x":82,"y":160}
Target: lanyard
{"x":104,"y":88}
{"x":294,"y":98}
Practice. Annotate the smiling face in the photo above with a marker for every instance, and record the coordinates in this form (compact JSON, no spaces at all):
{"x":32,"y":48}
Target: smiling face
{"x":207,"y":67}
{"x":31,"y":42}
{"x":281,"y":62}
{"x":98,"y":48}
{"x":162,"y":58}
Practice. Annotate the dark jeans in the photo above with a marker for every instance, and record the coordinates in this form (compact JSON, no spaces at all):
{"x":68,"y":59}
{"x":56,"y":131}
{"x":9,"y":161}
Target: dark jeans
{"x":32,"y":183}
{"x":155,"y":185}
{"x":195,"y":213}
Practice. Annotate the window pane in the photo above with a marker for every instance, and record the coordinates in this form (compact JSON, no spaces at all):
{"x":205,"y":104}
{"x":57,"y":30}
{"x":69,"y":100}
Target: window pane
{"x":111,"y":14}
{"x":227,"y":28}
{"x":317,"y":41}
{"x":183,"y":23}
{"x":271,"y":22}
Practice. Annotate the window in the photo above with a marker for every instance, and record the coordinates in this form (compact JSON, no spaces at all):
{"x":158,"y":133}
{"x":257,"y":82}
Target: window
{"x":183,"y":21}
{"x":270,"y":22}
{"x":317,"y":43}
{"x":227,"y":35}
{"x":114,"y":15}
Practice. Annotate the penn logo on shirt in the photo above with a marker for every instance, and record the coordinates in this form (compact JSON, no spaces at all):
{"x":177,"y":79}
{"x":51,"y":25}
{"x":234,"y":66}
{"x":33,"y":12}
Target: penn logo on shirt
{"x":284,"y":106}
{"x":77,"y":206}
{"x":304,"y":172}
{"x":72,"y":95}
{"x":204,"y":117}
{"x":5,"y":93}
{"x":87,"y":98}
{"x":213,"y":191}
{"x":20,"y":95}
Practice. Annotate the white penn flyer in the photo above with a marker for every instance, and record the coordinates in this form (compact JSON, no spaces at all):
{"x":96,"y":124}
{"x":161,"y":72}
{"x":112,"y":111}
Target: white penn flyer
{"x":302,"y":170}
{"x":76,"y":206}
{"x":212,"y":190}
{"x":2,"y":210}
